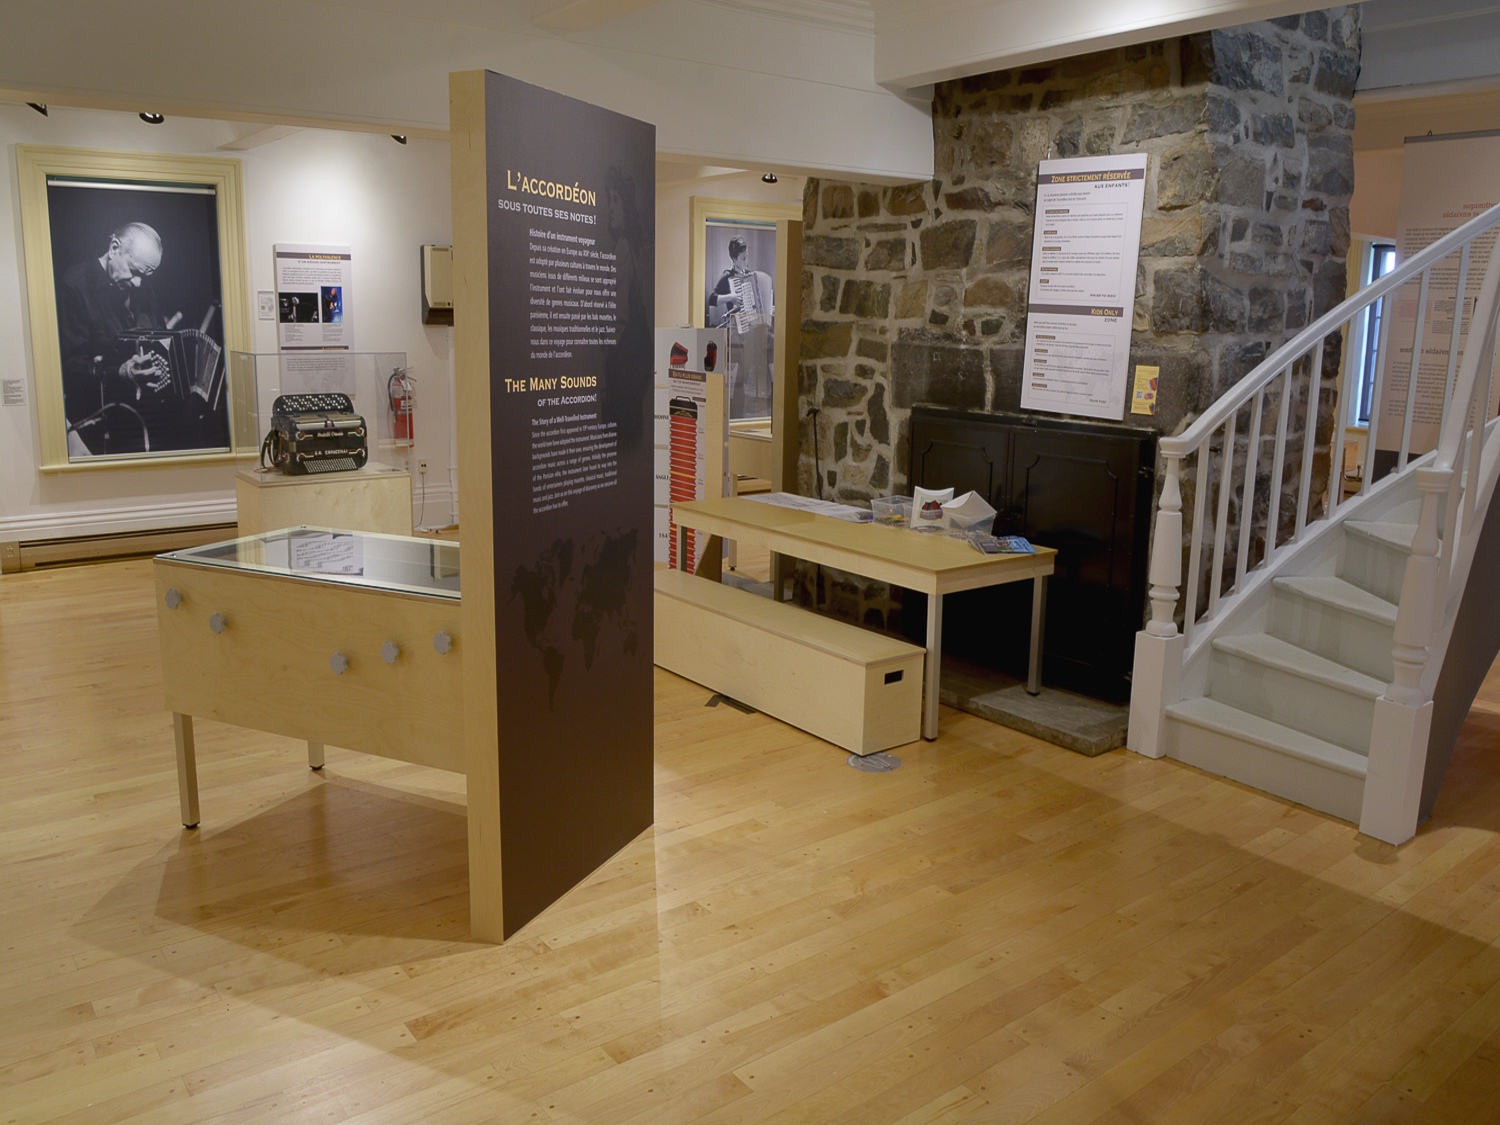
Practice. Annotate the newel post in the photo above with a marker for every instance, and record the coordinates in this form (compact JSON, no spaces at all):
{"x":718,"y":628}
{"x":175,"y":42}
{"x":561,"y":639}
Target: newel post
{"x":1157,"y":672}
{"x":1403,"y":715}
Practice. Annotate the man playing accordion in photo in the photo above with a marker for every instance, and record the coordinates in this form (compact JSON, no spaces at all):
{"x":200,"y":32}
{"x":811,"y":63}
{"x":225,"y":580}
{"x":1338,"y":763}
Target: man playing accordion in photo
{"x":133,"y":382}
{"x":745,"y":300}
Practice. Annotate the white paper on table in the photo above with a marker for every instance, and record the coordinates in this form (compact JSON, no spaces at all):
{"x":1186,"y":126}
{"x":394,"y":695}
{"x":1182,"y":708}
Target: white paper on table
{"x":969,"y":508}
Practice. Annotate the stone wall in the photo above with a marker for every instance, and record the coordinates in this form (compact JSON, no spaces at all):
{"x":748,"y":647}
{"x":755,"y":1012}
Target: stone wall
{"x":918,"y":293}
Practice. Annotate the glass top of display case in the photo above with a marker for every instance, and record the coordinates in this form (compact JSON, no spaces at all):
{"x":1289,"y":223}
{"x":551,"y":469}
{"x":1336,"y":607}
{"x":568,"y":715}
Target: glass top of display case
{"x":351,"y":558}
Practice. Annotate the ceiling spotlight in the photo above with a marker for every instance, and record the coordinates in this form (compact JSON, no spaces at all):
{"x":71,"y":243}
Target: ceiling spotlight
{"x":769,"y":177}
{"x":39,"y":107}
{"x":398,"y":138}
{"x":152,"y":118}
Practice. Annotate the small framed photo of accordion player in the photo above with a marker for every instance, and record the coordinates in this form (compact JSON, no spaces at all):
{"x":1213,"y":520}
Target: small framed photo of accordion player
{"x":136,"y":280}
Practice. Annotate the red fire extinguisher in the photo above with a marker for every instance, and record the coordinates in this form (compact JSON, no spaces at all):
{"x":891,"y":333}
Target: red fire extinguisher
{"x":399,"y":389}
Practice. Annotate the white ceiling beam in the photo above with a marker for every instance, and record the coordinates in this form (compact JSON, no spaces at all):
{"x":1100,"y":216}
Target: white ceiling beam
{"x":918,"y":42}
{"x":581,"y":15}
{"x":257,"y":137}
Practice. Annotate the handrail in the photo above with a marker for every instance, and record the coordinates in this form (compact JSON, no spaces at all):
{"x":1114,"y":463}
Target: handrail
{"x":1262,"y":374}
{"x":1455,"y":482}
{"x":1451,"y":439}
{"x":1424,"y":586}
{"x":1215,"y":432}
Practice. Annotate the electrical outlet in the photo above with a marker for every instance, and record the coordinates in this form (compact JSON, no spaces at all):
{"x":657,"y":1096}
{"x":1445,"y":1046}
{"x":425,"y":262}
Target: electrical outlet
{"x":421,"y":466}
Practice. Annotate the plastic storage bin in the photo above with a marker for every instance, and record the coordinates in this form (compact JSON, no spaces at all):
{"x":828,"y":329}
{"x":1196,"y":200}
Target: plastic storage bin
{"x":893,"y":511}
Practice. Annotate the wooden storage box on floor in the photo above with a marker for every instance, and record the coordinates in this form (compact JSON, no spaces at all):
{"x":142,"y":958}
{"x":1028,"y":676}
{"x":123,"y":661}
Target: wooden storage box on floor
{"x":849,"y":686}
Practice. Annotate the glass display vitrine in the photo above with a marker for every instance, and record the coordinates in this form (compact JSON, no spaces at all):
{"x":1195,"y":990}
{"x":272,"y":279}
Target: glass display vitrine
{"x":378,"y":384}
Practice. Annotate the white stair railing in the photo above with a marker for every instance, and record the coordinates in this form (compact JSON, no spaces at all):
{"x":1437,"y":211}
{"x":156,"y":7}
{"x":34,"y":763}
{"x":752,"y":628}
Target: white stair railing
{"x":1205,"y":458}
{"x":1451,"y":495}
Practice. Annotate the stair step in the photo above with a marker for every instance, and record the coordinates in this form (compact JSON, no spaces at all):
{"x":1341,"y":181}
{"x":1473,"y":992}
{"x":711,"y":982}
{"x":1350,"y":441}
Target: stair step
{"x":1397,"y":535}
{"x":1277,"y":680}
{"x":1287,"y":657}
{"x":1213,"y":715}
{"x":1336,"y":619}
{"x":1375,"y":555}
{"x":1254,"y":751}
{"x":1341,"y":595}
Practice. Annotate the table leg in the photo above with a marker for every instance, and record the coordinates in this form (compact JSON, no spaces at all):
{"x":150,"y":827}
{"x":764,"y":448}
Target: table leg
{"x":187,"y":768}
{"x":778,"y":583}
{"x":1038,"y":630}
{"x":933,"y":666}
{"x":314,"y":755}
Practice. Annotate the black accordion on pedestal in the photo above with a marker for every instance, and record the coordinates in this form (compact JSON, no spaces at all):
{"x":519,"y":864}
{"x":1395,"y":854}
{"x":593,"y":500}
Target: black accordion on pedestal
{"x":314,"y":433}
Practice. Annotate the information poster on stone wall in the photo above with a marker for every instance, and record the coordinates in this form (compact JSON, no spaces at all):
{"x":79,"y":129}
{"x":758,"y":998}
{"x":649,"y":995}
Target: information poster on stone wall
{"x":1083,"y":259}
{"x":1432,"y":206}
{"x":571,"y":234}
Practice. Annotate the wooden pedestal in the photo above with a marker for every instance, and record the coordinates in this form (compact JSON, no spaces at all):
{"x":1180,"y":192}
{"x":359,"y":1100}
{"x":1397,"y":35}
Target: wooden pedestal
{"x":374,"y":498}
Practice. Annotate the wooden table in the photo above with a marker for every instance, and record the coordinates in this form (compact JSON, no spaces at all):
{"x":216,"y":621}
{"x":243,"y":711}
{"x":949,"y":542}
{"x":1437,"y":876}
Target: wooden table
{"x":932,"y":564}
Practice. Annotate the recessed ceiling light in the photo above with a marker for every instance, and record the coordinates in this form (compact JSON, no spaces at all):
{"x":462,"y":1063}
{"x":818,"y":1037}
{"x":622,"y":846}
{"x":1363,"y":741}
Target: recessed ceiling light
{"x":152,"y":118}
{"x":769,"y":177}
{"x":39,"y":107}
{"x":398,"y":138}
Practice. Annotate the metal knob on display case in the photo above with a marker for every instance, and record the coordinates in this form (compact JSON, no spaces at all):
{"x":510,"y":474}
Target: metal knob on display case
{"x":389,"y":651}
{"x":339,"y":663}
{"x":442,"y":642}
{"x":173,"y":599}
{"x":218,"y":623}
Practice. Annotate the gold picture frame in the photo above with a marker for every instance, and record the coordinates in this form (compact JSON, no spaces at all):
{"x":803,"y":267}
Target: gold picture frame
{"x":215,"y":252}
{"x":782,"y":223}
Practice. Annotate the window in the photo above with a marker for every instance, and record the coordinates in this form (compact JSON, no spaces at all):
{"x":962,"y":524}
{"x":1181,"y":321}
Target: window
{"x":1382,"y":260}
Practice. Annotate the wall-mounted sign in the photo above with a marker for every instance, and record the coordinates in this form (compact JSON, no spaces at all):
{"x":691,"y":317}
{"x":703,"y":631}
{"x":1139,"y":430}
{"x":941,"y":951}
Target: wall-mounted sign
{"x":312,"y":298}
{"x":1083,"y":258}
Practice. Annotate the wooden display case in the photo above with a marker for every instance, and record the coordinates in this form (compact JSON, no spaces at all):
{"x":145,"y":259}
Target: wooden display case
{"x":329,"y":636}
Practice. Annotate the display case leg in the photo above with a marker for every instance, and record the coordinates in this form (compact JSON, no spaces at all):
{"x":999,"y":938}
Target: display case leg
{"x":187,"y":768}
{"x":314,"y":755}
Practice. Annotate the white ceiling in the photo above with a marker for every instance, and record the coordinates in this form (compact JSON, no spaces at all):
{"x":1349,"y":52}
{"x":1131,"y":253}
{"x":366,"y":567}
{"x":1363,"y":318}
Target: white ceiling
{"x":836,"y":87}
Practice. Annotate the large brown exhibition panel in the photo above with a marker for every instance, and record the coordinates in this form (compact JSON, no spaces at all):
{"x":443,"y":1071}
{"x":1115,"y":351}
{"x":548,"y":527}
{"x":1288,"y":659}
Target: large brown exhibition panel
{"x":553,"y":211}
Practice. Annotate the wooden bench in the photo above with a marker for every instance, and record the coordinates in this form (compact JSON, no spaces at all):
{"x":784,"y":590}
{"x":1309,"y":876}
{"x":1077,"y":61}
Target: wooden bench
{"x":849,"y":686}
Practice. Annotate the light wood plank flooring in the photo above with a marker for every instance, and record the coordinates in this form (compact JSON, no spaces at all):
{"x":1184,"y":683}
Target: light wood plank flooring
{"x":999,"y":931}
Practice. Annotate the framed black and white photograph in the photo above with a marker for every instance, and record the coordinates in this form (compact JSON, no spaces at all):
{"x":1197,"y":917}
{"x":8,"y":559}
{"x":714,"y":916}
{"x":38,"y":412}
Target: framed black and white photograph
{"x":135,"y":277}
{"x":734,"y":264}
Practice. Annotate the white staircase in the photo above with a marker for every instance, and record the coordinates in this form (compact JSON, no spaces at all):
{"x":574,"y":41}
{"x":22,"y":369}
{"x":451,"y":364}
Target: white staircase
{"x":1290,"y":708}
{"x":1311,"y":671}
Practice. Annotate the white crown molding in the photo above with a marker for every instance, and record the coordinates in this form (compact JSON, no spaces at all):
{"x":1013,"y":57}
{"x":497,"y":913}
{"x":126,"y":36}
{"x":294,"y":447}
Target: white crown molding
{"x":849,"y":15}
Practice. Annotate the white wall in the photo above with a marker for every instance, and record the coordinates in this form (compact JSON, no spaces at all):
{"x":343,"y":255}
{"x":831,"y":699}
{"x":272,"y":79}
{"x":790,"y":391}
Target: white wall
{"x":722,"y":82}
{"x":382,"y":199}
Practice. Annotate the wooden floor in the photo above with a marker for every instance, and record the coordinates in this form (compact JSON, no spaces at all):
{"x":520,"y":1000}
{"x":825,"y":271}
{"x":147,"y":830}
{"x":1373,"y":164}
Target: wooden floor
{"x":999,"y":931}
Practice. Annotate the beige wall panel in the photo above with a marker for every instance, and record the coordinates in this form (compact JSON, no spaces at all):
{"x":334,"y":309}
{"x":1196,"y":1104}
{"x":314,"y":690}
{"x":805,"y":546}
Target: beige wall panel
{"x":471,"y":350}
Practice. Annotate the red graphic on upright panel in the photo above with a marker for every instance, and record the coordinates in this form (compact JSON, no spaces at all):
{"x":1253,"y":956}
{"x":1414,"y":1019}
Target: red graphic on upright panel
{"x":683,"y":461}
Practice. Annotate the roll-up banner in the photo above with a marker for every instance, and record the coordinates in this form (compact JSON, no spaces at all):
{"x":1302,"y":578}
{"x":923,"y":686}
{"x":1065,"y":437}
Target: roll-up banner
{"x":569,"y":234}
{"x":1433,"y":204}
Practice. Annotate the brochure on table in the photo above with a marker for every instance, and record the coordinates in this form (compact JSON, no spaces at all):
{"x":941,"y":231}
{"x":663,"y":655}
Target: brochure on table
{"x":689,"y":406}
{"x":1084,"y":250}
